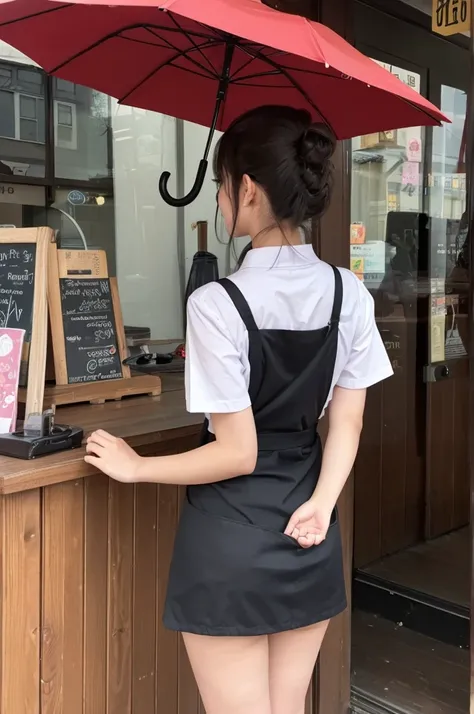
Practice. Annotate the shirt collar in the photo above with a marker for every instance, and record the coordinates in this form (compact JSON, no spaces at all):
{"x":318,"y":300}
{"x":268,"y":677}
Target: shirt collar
{"x":285,"y":256}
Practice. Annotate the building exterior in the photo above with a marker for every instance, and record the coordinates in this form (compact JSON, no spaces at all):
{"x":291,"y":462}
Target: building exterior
{"x":72,"y":158}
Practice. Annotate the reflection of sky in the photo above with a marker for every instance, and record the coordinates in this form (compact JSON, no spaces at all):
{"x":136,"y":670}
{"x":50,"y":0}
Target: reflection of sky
{"x":447,"y":138}
{"x":7,"y":52}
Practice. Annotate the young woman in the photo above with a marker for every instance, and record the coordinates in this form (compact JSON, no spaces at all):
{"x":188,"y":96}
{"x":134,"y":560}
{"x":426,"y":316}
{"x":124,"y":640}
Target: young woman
{"x":257,"y":569}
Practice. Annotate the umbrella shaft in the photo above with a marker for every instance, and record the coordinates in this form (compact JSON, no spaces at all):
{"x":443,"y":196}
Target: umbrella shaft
{"x":221,"y":92}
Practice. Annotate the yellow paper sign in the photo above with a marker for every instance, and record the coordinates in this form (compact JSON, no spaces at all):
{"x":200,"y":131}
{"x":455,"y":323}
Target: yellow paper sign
{"x":450,"y":17}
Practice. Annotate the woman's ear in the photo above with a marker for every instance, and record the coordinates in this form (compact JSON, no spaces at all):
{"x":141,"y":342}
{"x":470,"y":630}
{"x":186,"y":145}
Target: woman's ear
{"x":248,"y":190}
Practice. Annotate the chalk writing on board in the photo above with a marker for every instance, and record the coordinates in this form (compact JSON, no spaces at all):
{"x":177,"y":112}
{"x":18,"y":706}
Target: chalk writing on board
{"x":17,"y":290}
{"x":89,"y":330}
{"x":17,"y":277}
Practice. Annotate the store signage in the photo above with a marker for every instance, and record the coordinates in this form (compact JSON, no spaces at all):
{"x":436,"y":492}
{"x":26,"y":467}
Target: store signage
{"x":76,"y":198}
{"x":450,"y":17}
{"x":22,"y":194}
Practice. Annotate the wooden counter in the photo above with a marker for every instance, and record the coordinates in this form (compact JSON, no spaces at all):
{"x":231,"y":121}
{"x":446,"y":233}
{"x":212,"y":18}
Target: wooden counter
{"x":83,"y":575}
{"x":149,"y":424}
{"x":84,"y":567}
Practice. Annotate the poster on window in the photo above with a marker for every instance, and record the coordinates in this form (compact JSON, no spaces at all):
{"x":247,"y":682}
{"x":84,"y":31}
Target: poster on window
{"x":11,"y":345}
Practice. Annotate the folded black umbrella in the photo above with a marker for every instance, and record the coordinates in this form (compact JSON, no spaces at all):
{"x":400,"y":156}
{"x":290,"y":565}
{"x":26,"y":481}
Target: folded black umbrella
{"x":204,"y":269}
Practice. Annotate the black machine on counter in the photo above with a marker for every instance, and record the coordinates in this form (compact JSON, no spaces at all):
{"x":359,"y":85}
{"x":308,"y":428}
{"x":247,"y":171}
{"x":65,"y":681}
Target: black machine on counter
{"x":40,"y":436}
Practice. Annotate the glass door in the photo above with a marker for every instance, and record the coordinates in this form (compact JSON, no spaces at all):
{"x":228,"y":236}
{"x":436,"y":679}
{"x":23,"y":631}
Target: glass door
{"x":447,"y":370}
{"x":389,"y":253}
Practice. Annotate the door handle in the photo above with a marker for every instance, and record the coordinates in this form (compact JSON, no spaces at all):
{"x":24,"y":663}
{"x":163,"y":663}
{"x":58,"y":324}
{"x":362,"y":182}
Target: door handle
{"x":435,"y":372}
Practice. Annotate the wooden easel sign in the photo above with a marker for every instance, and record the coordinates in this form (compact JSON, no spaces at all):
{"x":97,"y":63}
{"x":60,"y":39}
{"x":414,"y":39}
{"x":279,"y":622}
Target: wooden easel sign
{"x":87,"y":331}
{"x":84,"y":316}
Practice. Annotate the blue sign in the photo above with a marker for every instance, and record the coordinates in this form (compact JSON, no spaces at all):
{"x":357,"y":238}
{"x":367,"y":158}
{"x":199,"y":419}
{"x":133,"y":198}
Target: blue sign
{"x":76,"y":198}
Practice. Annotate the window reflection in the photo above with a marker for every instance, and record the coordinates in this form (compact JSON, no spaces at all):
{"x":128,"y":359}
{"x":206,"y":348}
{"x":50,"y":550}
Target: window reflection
{"x":82,"y":128}
{"x":22,"y":121}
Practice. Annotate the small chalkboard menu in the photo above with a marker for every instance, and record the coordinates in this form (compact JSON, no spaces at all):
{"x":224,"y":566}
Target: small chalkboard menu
{"x":17,"y":290}
{"x":87,"y":336}
{"x":23,"y":302}
{"x":90,"y":335}
{"x":86,"y":320}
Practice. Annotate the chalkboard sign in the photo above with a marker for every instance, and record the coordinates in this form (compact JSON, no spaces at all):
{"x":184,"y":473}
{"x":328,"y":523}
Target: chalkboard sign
{"x":23,"y":303}
{"x":17,"y":291}
{"x":90,"y":334}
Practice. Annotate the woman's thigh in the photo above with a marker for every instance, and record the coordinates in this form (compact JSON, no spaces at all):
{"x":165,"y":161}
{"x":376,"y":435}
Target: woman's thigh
{"x":292,"y":656}
{"x":231,"y":673}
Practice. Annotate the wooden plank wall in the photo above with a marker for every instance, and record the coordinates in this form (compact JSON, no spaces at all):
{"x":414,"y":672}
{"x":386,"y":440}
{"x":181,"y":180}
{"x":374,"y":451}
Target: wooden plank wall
{"x":448,"y":488}
{"x":390,"y":466}
{"x":411,"y":473}
{"x":83,"y":579}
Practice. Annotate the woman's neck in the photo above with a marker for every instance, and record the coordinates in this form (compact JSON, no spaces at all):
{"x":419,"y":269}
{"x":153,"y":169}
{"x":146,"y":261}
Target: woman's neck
{"x":275,"y":236}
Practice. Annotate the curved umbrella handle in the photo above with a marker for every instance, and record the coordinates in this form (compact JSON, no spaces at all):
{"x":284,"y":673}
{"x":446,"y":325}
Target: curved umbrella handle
{"x":192,"y":195}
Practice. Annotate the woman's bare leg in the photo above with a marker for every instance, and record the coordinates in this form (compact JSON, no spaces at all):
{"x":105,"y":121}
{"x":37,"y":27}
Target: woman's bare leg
{"x":292,"y":657}
{"x":231,"y":673}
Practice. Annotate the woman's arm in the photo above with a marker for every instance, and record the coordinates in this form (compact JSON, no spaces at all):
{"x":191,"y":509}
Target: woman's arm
{"x":310,"y":522}
{"x":233,"y":453}
{"x":346,"y":412}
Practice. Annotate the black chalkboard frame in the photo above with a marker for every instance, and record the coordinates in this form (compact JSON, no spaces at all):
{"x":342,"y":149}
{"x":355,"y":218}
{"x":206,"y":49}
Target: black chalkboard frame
{"x":78,"y":265}
{"x":42,"y":238}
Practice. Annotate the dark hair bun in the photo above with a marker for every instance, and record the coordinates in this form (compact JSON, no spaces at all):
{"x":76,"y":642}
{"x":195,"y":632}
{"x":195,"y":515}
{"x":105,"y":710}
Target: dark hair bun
{"x":314,"y":151}
{"x":286,"y":154}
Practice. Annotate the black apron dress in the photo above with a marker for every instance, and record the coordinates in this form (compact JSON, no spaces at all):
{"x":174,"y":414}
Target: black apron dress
{"x":234,"y":572}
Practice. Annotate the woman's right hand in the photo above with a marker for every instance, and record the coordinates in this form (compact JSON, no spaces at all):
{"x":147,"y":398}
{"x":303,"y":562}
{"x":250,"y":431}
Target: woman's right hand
{"x":309,"y":524}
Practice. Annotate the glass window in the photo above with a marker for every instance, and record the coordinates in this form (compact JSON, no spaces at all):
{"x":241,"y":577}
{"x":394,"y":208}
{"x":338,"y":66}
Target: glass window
{"x":5,"y":77}
{"x":144,"y":145}
{"x":7,"y":114}
{"x":21,"y":206}
{"x":449,"y":268}
{"x":386,"y":203}
{"x":22,"y":121}
{"x":83,"y":137}
{"x":66,"y":127}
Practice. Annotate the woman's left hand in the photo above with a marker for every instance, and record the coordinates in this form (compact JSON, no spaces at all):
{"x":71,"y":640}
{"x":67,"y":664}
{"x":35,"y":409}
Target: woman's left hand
{"x":113,"y":456}
{"x":309,"y":524}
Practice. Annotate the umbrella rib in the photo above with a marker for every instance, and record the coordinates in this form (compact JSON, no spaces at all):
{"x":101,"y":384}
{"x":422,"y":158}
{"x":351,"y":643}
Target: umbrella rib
{"x":191,"y":40}
{"x":292,"y":81}
{"x":118,"y":33}
{"x":268,"y":74}
{"x":35,"y":15}
{"x":262,"y":86}
{"x":160,"y":66}
{"x":144,"y":42}
{"x":243,"y":46}
{"x":193,"y":61}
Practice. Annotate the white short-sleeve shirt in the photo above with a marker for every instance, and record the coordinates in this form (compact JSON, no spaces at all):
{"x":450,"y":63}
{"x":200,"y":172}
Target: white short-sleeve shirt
{"x":287,"y":288}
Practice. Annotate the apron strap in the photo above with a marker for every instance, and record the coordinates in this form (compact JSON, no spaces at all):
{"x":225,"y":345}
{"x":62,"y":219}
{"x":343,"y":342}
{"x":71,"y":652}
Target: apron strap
{"x":337,"y":304}
{"x":240,"y":303}
{"x":255,"y":341}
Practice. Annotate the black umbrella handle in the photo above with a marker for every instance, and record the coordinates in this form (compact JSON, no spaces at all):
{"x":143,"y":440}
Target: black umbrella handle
{"x":192,"y":195}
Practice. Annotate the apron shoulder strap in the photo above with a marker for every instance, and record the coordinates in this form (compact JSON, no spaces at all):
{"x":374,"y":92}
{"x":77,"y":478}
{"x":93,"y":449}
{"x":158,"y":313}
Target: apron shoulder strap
{"x":338,"y":292}
{"x":256,"y":357}
{"x":240,"y":303}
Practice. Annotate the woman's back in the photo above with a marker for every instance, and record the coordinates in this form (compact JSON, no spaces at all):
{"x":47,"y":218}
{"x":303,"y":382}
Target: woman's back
{"x":287,"y":288}
{"x":279,"y":336}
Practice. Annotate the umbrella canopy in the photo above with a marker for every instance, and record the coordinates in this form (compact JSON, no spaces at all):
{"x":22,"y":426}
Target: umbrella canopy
{"x":210,"y":61}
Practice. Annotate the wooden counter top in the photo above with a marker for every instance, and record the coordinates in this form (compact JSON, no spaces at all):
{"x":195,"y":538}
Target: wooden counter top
{"x":145,"y":422}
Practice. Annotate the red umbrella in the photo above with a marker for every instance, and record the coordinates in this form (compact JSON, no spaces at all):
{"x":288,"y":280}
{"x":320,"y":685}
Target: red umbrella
{"x":207,"y":61}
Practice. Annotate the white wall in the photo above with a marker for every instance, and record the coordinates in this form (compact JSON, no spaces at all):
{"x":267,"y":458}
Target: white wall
{"x":204,"y":207}
{"x":146,"y":228}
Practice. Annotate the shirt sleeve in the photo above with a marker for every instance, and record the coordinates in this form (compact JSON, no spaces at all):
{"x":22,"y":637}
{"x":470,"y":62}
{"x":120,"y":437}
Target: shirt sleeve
{"x":215,"y":378}
{"x":368,"y":362}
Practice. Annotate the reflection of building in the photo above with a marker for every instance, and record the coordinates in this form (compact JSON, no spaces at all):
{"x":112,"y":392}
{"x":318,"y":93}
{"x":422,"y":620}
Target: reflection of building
{"x":68,"y":147}
{"x":81,"y":120}
{"x":407,"y":525}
